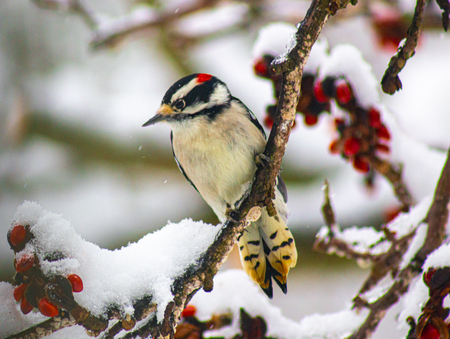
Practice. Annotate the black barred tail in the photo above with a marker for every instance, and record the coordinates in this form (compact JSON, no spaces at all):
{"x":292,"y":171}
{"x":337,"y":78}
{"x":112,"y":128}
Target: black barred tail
{"x":268,"y":251}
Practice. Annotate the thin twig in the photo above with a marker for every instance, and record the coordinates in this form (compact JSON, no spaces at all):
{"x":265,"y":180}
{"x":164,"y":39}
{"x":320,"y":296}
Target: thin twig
{"x":388,"y":262}
{"x":112,"y":33}
{"x":327,"y":209}
{"x":394,"y":176}
{"x":390,"y":82}
{"x":445,"y":6}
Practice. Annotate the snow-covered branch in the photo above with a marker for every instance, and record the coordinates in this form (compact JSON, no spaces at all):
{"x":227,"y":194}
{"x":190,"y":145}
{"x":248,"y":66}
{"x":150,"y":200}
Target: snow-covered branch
{"x":110,"y":33}
{"x":57,"y":270}
{"x":391,"y":251}
{"x":380,"y":249}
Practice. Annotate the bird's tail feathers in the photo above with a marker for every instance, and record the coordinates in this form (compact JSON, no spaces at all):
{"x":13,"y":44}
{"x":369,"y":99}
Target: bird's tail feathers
{"x":268,"y":251}
{"x":253,"y":258}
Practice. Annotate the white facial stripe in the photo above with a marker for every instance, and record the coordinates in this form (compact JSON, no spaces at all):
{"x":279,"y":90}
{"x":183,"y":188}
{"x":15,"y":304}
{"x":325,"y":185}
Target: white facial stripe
{"x":184,"y":90}
{"x":199,"y":106}
{"x":219,"y":96}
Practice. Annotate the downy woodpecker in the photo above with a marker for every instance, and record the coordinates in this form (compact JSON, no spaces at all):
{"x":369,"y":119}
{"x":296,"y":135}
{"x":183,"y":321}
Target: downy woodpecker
{"x":215,"y":139}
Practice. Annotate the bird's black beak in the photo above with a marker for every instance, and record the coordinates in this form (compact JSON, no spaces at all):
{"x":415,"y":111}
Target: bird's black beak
{"x":163,"y":112}
{"x":154,"y":120}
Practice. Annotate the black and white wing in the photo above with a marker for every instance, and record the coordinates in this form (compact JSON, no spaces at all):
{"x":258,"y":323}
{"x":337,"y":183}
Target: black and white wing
{"x":252,"y":117}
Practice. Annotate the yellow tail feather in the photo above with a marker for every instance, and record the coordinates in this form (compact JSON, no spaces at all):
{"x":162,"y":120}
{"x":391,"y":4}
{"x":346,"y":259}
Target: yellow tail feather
{"x":268,"y":251}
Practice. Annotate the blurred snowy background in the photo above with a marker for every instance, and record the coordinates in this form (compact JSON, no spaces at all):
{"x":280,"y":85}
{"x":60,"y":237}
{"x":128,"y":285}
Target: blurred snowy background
{"x":71,"y":136}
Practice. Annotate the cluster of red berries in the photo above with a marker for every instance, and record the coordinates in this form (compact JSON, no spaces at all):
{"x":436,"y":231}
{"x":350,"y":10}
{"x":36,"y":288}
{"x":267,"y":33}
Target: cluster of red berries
{"x":362,"y":134}
{"x":307,"y":105}
{"x":431,"y":324}
{"x":30,"y":292}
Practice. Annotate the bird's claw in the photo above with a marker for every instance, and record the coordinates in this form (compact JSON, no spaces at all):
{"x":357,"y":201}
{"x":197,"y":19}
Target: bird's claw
{"x":262,"y":159}
{"x":232,"y":214}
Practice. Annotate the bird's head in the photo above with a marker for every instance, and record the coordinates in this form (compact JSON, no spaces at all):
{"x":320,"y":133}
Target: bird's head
{"x":193,"y":96}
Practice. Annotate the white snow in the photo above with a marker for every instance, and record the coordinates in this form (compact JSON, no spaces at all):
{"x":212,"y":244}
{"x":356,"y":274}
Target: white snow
{"x":415,"y":245}
{"x":404,"y":223}
{"x":347,"y":60}
{"x":422,"y":165}
{"x":206,"y":22}
{"x":272,"y":40}
{"x":319,"y":53}
{"x":438,"y":258}
{"x":364,"y":240}
{"x":233,"y":290}
{"x":413,"y":302}
{"x":120,"y":277}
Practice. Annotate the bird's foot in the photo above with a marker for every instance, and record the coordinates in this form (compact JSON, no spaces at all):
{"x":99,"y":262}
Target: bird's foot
{"x":232,"y":214}
{"x":261,"y":159}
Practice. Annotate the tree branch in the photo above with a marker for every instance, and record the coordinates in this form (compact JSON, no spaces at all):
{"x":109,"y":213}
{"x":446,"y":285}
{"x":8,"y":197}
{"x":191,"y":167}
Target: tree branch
{"x":437,"y":219}
{"x":382,"y":263}
{"x":47,"y":327}
{"x":394,"y":176}
{"x":390,"y":82}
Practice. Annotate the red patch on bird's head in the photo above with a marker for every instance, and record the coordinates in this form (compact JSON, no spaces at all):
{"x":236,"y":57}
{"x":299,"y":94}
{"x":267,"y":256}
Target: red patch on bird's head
{"x":202,"y":77}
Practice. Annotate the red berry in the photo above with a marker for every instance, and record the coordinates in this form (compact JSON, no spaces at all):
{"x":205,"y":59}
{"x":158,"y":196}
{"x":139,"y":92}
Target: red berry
{"x":47,"y":308}
{"x":268,"y":121}
{"x":383,"y":148}
{"x":310,"y":119}
{"x":383,"y":133}
{"x":374,"y":118}
{"x":24,"y":263}
{"x":389,"y":25}
{"x":430,"y":332}
{"x":25,"y":306}
{"x":334,"y":147}
{"x":361,"y":165}
{"x":343,"y":91}
{"x":351,"y":146}
{"x":339,"y":122}
{"x":428,"y":275}
{"x":260,"y":68}
{"x":19,"y":291}
{"x":319,"y":94}
{"x":18,"y":235}
{"x":189,"y":311}
{"x":76,"y":282}
{"x":391,"y":213}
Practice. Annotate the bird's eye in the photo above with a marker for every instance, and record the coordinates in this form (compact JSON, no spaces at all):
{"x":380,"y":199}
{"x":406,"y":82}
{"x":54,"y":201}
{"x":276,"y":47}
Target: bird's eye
{"x":180,"y":104}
